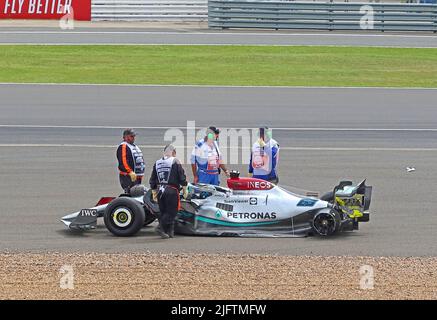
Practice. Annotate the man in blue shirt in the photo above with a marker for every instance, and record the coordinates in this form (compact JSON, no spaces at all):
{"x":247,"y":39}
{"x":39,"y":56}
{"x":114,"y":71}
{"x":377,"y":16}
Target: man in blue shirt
{"x":206,"y":159}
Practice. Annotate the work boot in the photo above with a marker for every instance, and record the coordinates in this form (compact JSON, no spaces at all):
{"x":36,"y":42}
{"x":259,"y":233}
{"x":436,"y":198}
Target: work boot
{"x":170,"y":230}
{"x":161,"y":233}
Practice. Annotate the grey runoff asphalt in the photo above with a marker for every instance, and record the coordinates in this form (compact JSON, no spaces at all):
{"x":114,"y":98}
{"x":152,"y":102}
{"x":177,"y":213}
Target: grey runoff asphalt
{"x":57,"y":148}
{"x":203,"y":36}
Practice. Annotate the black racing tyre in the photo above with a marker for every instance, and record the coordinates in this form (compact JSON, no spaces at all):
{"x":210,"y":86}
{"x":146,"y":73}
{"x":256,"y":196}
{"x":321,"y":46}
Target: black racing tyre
{"x":124,"y":217}
{"x":326,"y":223}
{"x":329,"y":196}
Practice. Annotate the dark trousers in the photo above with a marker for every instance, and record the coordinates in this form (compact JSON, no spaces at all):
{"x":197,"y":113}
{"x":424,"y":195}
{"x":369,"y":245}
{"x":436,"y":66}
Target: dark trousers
{"x":126,"y":183}
{"x":168,"y":201}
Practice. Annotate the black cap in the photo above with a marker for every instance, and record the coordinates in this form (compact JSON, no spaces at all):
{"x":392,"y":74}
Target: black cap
{"x":214,"y":129}
{"x":129,"y":132}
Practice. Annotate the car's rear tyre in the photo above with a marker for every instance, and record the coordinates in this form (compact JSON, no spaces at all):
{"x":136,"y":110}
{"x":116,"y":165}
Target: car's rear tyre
{"x":326,"y":223}
{"x":124,"y":217}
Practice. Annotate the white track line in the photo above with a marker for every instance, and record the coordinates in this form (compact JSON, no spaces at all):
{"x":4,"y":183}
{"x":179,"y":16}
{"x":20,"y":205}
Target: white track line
{"x":225,"y":34}
{"x":207,"y":86}
{"x":24,"y":126}
{"x":239,"y":148}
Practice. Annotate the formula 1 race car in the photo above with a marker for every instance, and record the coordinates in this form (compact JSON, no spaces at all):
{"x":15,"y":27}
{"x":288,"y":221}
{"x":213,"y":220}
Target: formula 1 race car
{"x":248,"y":207}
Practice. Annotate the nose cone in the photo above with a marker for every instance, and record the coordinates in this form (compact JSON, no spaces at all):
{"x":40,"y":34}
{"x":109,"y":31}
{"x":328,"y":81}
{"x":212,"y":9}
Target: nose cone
{"x":68,"y":219}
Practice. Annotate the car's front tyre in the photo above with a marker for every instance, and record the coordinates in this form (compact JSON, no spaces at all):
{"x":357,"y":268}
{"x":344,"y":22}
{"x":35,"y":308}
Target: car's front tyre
{"x":124,"y":217}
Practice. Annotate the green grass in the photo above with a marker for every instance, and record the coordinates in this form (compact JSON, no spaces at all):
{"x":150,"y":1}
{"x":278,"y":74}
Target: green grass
{"x":221,"y":65}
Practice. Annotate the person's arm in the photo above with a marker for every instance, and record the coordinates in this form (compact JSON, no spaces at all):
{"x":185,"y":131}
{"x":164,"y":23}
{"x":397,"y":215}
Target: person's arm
{"x":275,"y":158}
{"x":118,"y":155}
{"x":225,"y":170}
{"x":121,"y":160}
{"x":124,"y":155}
{"x":194,"y":169}
{"x":182,"y":178}
{"x":125,"y":152}
{"x":276,"y":155}
{"x":194,"y":165}
{"x":250,"y":166}
{"x":153,"y":181}
{"x":221,"y":164}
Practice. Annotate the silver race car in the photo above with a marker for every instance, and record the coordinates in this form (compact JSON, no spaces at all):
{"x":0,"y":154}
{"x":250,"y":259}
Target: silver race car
{"x":248,"y":207}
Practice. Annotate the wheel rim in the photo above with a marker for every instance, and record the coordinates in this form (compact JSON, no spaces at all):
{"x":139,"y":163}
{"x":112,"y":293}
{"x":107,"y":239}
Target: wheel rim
{"x":324,"y":224}
{"x":122,"y":217}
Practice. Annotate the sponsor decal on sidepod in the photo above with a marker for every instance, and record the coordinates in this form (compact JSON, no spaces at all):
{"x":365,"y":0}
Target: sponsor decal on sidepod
{"x":252,"y":215}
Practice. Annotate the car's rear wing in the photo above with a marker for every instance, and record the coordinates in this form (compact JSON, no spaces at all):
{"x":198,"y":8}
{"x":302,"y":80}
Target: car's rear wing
{"x":354,"y":198}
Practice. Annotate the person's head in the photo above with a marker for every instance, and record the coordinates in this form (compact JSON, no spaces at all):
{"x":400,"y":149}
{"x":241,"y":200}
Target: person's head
{"x":265,"y":133}
{"x":169,"y":151}
{"x":129,"y":135}
{"x":216,"y":131}
{"x":212,"y":134}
